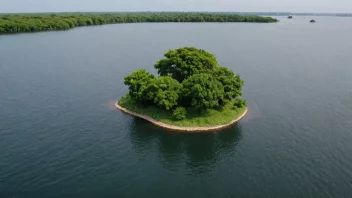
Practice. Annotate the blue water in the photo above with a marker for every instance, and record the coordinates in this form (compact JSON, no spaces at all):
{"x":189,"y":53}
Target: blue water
{"x":61,"y":137}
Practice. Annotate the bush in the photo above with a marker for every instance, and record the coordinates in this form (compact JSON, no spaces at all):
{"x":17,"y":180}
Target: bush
{"x":179,"y":113}
{"x":239,"y":103}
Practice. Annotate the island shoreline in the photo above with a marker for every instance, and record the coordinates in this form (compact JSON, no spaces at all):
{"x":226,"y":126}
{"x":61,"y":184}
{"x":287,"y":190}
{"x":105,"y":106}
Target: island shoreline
{"x":179,"y":128}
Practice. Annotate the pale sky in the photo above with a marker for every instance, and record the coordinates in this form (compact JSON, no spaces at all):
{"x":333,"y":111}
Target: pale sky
{"x":330,"y":6}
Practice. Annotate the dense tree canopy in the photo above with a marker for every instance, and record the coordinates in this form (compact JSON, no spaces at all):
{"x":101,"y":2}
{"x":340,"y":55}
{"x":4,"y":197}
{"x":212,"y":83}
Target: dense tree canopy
{"x":203,"y":90}
{"x":14,"y":23}
{"x":185,"y":62}
{"x":189,"y":77}
{"x":138,"y":83}
{"x":232,"y":83}
{"x":164,"y":91}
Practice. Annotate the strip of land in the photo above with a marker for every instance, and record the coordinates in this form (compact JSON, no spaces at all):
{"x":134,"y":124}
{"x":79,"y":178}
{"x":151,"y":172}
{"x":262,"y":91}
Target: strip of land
{"x":178,"y":128}
{"x":17,"y":23}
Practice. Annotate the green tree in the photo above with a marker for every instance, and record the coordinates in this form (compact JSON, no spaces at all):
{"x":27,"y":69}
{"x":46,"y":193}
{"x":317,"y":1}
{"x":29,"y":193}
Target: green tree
{"x":137,"y":83}
{"x":232,"y":83}
{"x":164,"y":92}
{"x":203,"y":91}
{"x":179,"y":113}
{"x":185,"y":62}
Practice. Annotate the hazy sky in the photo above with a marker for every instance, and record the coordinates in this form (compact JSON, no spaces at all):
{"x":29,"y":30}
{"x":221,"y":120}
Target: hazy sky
{"x":175,"y":5}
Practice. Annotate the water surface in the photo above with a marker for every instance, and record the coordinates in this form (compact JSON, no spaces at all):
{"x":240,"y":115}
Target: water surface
{"x":61,"y":137}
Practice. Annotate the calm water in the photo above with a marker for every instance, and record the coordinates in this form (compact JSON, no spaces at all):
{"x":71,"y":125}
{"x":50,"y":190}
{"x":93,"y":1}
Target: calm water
{"x":61,"y":137}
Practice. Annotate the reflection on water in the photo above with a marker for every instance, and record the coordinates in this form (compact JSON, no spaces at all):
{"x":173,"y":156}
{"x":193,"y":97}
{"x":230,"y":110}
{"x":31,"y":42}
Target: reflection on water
{"x":197,"y":151}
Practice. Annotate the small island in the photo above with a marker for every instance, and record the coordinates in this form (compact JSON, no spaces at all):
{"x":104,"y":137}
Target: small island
{"x":192,"y":92}
{"x":312,"y":21}
{"x":290,"y":17}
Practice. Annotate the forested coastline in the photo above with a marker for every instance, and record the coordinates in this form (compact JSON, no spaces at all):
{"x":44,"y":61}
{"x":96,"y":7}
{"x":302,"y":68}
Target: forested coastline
{"x":17,"y":23}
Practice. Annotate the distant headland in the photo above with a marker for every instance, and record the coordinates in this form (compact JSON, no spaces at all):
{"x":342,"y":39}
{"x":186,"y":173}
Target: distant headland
{"x":17,"y":23}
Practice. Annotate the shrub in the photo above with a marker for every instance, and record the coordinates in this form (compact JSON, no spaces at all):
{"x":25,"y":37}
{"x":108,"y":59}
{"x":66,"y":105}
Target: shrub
{"x":179,"y":113}
{"x":239,"y":103}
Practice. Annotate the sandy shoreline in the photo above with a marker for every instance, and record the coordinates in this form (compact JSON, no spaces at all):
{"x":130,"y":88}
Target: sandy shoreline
{"x":178,"y":128}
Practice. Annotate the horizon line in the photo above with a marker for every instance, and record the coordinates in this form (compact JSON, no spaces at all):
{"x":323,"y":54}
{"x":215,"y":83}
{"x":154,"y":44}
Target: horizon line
{"x":277,"y":12}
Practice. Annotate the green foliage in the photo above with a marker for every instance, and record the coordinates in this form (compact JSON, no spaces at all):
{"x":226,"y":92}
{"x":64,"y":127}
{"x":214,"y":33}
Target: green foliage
{"x":179,"y":113}
{"x":210,"y":117}
{"x":239,"y":103}
{"x":137,"y":83}
{"x":232,"y":83}
{"x":190,"y":78}
{"x":14,"y":23}
{"x":184,"y":62}
{"x":164,"y":91}
{"x":203,"y":90}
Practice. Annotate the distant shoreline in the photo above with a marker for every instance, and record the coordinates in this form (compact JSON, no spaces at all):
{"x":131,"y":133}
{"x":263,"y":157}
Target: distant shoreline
{"x":36,"y":22}
{"x":178,"y":128}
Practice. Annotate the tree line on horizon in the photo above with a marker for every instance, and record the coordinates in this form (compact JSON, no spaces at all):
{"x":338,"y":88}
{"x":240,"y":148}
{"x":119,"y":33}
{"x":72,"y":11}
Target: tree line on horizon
{"x":17,"y":23}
